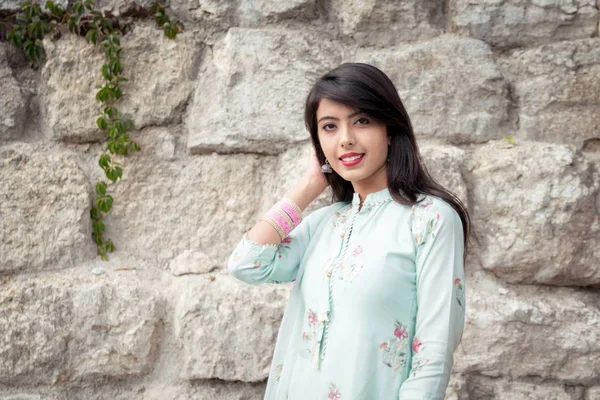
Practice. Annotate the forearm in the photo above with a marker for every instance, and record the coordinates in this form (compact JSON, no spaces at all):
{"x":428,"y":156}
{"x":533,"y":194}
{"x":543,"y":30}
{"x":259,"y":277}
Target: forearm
{"x":304,"y":191}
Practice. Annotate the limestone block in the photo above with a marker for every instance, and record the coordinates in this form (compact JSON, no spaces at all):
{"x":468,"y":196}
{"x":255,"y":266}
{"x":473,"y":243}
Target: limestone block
{"x":68,"y":327}
{"x":250,"y":93}
{"x":243,"y":13}
{"x":459,"y":98}
{"x":444,"y":165}
{"x":165,"y":207}
{"x":44,"y":209}
{"x":13,"y":105}
{"x":13,"y":5}
{"x":192,"y":262}
{"x":254,"y":13}
{"x":473,"y":387}
{"x":227,"y":328}
{"x":592,"y":393}
{"x":521,"y":331}
{"x":160,"y":72}
{"x":523,"y":22}
{"x":535,"y":210}
{"x":387,"y":22}
{"x":557,"y":90}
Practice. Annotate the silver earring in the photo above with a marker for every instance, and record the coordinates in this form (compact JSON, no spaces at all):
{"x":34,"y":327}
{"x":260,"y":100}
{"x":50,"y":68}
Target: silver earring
{"x":326,"y":168}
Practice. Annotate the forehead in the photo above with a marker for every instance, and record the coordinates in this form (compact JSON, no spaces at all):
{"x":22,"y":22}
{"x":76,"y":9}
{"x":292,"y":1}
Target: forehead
{"x":333,"y":108}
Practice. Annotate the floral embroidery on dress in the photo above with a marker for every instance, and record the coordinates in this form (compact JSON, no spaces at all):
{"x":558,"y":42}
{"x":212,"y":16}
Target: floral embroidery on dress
{"x":460,"y":293}
{"x":257,"y":264}
{"x":284,"y":244}
{"x":276,"y":373}
{"x":315,"y":327}
{"x":334,"y":392}
{"x":395,"y":350}
{"x":418,"y":363}
{"x":352,"y":266}
{"x":340,"y":219}
{"x":348,"y":272}
{"x":424,"y":225}
{"x":418,"y":359}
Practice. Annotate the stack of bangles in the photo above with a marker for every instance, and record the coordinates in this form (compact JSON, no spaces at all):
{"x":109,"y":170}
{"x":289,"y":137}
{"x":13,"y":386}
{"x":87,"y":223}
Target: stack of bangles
{"x":284,"y":216}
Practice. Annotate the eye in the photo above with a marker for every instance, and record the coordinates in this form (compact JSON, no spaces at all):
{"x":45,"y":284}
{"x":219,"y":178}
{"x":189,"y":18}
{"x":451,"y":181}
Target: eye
{"x":365,"y":120}
{"x":326,"y":125}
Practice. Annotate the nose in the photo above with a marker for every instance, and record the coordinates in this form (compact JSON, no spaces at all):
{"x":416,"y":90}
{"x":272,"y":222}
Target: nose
{"x":346,"y":137}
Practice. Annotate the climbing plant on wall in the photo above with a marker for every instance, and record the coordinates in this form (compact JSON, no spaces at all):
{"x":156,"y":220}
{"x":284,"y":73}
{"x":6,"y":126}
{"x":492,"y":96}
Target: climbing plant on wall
{"x":27,"y":28}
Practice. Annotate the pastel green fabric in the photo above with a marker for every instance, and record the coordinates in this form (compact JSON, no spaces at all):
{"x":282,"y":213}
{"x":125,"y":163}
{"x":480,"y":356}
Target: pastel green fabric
{"x":378,"y":303}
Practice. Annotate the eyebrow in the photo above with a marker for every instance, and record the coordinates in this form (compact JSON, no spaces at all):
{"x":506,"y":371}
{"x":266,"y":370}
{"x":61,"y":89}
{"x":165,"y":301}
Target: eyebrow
{"x":349,"y":116}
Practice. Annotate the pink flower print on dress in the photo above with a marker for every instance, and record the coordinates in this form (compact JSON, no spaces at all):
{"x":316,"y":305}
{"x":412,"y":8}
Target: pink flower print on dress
{"x":416,"y":344}
{"x":312,"y":317}
{"x":400,"y":332}
{"x":334,"y":392}
{"x":394,"y":351}
{"x":286,"y":240}
{"x":358,"y":250}
{"x":257,"y":264}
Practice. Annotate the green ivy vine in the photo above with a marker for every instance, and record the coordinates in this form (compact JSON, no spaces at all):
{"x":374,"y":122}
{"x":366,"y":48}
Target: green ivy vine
{"x":27,"y":28}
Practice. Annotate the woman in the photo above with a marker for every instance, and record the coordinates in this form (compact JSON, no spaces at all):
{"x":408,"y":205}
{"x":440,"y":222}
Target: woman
{"x":378,"y":303}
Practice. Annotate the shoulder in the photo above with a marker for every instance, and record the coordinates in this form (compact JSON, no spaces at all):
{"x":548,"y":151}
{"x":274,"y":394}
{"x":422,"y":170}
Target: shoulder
{"x":433,"y":206}
{"x":429,"y":215}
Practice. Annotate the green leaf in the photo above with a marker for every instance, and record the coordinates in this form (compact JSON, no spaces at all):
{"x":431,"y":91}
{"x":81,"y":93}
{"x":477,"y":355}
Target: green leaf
{"x":104,"y":161}
{"x":109,"y":246}
{"x":98,"y":227}
{"x":106,"y":72}
{"x":101,"y":188}
{"x":104,"y":203}
{"x":114,"y":173}
{"x":94,"y":214}
{"x":102,"y":123}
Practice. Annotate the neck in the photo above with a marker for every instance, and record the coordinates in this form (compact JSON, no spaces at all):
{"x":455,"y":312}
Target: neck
{"x":375,"y":183}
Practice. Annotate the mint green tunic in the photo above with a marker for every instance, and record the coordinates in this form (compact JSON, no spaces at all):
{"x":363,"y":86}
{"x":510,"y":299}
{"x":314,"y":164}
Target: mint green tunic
{"x":378,"y":304}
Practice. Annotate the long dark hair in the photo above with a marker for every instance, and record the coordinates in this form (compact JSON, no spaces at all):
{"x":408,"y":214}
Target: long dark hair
{"x":368,"y":89}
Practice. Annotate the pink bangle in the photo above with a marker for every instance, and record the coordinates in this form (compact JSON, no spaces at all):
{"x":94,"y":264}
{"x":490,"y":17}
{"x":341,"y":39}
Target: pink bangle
{"x":280,"y":221}
{"x":290,"y":211}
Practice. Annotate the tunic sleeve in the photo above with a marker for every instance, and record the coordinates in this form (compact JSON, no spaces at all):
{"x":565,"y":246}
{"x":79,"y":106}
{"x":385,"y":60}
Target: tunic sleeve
{"x":438,"y":235}
{"x":255,"y":263}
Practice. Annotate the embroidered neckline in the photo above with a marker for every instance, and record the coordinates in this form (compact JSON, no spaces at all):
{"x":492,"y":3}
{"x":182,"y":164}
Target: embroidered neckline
{"x":372,"y":199}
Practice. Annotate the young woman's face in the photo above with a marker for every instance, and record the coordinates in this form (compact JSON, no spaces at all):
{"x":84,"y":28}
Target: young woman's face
{"x":355,"y":145}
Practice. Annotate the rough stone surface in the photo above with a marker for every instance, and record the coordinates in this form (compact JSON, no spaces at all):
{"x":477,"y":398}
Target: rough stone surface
{"x":557,"y":90}
{"x":523,"y":22}
{"x":552,"y":187}
{"x":167,"y":204}
{"x":160,"y":73}
{"x":482,"y":387}
{"x":44,"y":209}
{"x":510,"y":329}
{"x":404,"y":20}
{"x":250,"y":93}
{"x":502,"y":95}
{"x":228,"y":337}
{"x":192,"y":262}
{"x":151,"y":390}
{"x":13,"y":104}
{"x":461,"y":99}
{"x":72,"y":328}
{"x":14,"y":5}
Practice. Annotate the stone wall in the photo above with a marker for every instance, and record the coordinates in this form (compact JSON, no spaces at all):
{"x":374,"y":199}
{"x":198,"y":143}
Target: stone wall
{"x":218,"y":115}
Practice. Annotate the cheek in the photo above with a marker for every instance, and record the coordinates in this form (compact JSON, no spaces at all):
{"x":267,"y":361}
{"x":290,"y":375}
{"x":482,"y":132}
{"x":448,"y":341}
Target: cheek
{"x":328,"y":147}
